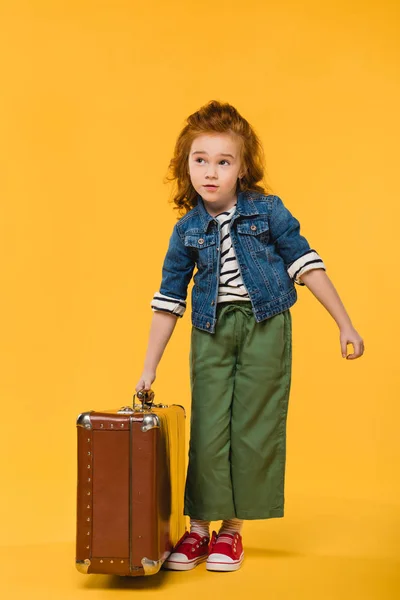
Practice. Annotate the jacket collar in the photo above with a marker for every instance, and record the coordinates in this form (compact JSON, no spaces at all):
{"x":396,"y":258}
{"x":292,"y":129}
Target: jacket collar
{"x":245,"y":206}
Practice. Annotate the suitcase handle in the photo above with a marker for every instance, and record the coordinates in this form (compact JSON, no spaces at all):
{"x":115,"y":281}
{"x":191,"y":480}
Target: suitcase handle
{"x":146,"y":397}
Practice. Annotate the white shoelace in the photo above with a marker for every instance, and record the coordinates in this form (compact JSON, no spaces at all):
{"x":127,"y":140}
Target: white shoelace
{"x":226,"y":539}
{"x":190,"y":540}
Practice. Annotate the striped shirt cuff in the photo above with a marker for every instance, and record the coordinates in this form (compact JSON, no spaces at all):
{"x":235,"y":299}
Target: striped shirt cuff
{"x":163,"y":303}
{"x":310,"y":260}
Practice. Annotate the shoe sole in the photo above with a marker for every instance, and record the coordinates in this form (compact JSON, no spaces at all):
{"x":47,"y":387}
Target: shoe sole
{"x":224,"y":566}
{"x":179,"y":566}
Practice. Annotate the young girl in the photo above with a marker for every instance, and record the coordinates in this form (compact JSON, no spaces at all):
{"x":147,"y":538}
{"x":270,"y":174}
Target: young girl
{"x":249,"y":254}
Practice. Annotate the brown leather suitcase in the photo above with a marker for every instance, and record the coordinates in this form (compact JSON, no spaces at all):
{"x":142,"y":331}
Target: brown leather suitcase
{"x":130,"y":491}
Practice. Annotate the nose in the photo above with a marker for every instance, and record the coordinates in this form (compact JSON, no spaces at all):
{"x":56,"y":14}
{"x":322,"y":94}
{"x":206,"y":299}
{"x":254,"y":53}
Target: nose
{"x":210,"y":171}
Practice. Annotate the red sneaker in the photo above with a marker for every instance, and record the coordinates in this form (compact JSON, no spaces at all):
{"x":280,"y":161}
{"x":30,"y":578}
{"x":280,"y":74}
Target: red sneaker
{"x":226,"y":552}
{"x":190,"y":550}
{"x":214,"y":537}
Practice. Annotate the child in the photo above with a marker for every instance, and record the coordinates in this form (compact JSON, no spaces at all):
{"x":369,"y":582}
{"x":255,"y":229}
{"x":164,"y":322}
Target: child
{"x":249,"y":254}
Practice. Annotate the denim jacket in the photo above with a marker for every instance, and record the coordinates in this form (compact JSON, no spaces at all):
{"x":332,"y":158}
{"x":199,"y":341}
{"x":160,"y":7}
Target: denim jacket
{"x":270,"y":251}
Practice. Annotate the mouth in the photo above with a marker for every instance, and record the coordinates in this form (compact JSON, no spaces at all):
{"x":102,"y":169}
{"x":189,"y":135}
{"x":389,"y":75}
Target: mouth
{"x":211,"y":187}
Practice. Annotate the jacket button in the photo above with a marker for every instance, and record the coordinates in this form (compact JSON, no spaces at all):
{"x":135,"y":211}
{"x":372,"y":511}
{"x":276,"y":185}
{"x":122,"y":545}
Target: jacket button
{"x":253,"y":227}
{"x":201,"y":241}
{"x":212,"y":302}
{"x":208,"y":325}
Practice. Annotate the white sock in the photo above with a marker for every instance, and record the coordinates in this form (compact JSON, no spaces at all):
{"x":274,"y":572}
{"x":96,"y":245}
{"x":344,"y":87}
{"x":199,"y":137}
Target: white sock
{"x":200,"y":527}
{"x":231,"y":526}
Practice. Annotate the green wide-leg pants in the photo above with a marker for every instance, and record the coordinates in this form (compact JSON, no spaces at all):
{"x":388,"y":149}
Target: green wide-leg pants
{"x":240,"y":383}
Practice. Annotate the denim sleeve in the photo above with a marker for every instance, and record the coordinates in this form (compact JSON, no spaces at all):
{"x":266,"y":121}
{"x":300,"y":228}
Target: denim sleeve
{"x":293,"y":247}
{"x":177,"y":272}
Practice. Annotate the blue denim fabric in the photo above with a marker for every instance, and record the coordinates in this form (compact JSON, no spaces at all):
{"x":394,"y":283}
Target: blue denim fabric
{"x":271,"y":253}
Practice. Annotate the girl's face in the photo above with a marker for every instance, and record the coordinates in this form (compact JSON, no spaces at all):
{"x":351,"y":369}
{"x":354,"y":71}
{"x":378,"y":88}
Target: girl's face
{"x":214,"y":159}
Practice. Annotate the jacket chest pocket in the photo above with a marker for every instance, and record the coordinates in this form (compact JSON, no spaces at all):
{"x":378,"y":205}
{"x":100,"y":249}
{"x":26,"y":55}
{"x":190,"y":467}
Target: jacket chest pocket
{"x":254,"y":234}
{"x":202,"y":246}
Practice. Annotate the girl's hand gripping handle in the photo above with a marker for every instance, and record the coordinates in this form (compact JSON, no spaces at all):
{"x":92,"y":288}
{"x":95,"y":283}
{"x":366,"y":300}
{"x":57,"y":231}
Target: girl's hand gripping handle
{"x":145,"y":381}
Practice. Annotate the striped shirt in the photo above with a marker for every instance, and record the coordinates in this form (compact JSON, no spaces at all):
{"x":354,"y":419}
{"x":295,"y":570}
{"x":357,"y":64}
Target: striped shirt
{"x":231,"y":286}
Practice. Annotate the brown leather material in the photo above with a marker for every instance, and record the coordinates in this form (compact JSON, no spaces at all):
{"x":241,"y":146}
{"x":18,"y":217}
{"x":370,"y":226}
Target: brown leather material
{"x":130,"y":490}
{"x":84,"y":495}
{"x":110,"y":494}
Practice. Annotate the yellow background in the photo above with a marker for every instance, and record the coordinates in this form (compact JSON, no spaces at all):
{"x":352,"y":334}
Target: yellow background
{"x":93,"y":96}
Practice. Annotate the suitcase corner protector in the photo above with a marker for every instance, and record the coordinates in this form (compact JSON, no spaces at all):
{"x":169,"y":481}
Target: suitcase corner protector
{"x":83,"y":565}
{"x":151,"y":567}
{"x":83,"y":420}
{"x":150,"y":421}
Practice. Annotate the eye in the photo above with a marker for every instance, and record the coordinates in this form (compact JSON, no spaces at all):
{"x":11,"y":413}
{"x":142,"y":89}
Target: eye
{"x":223,"y":160}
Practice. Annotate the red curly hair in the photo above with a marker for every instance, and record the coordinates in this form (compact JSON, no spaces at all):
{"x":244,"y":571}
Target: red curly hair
{"x":216,"y":117}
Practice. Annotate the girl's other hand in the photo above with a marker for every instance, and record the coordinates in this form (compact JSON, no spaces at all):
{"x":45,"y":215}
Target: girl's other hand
{"x":145,"y":381}
{"x":349,"y":335}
